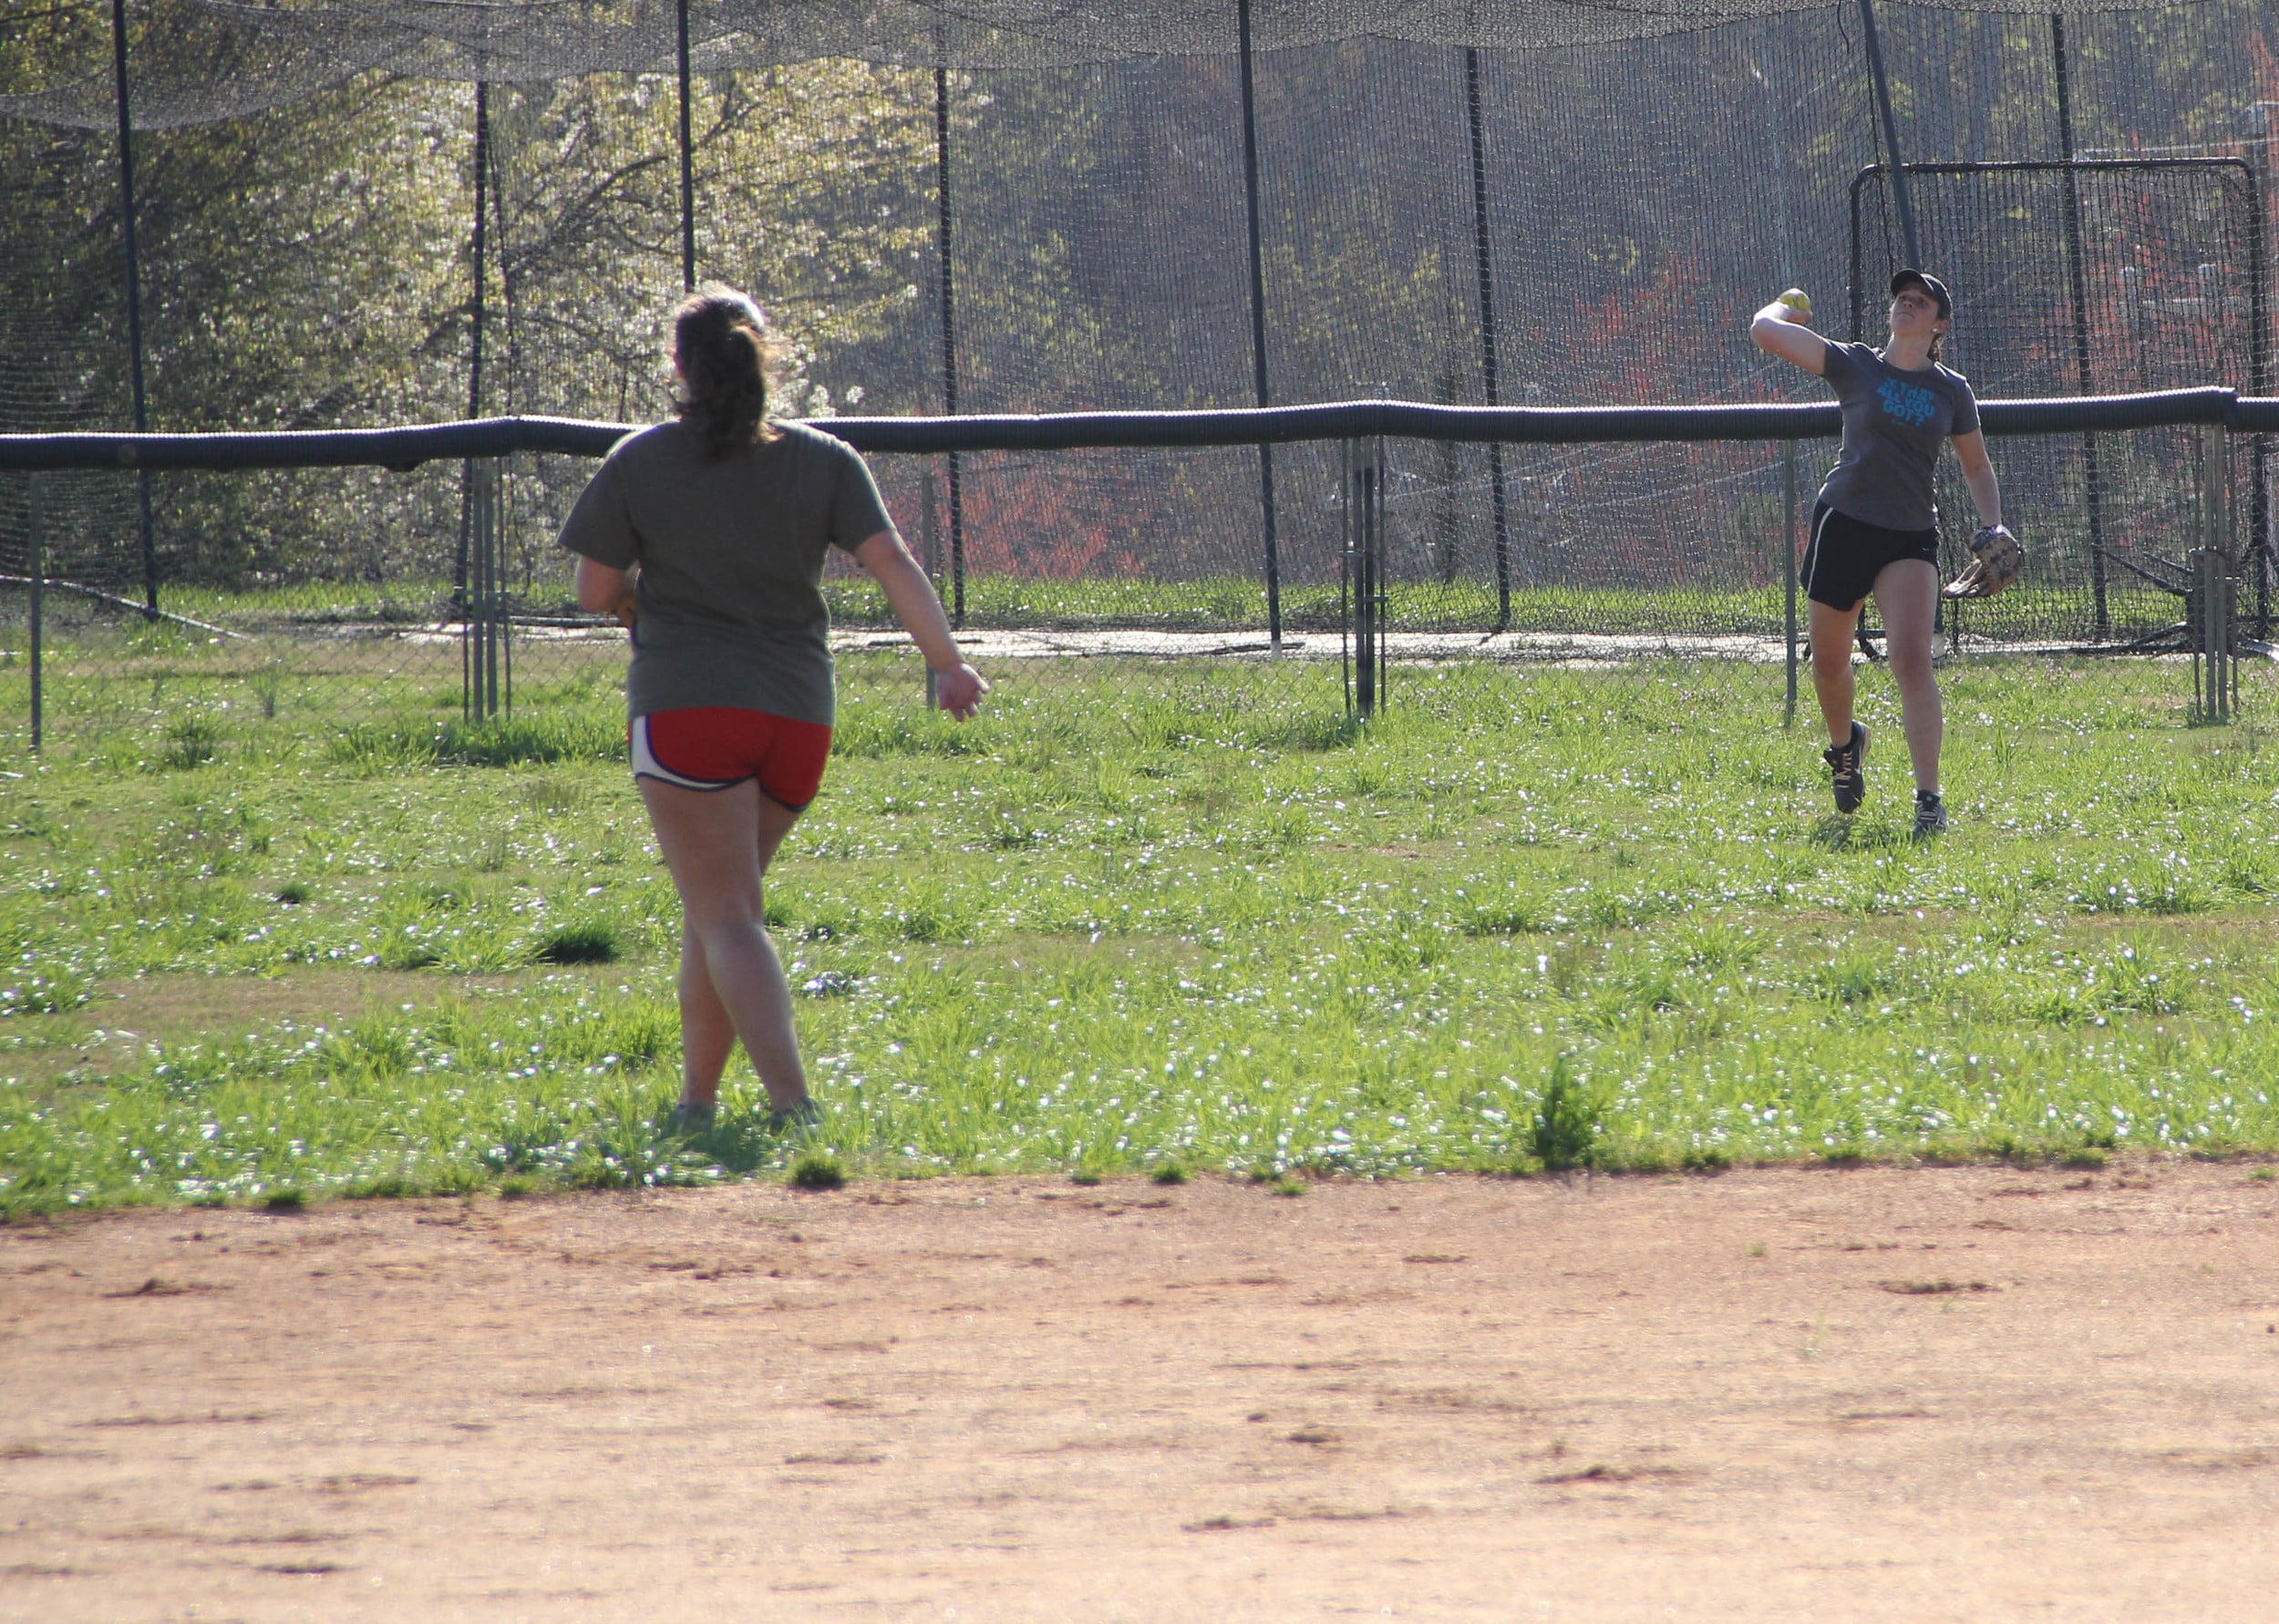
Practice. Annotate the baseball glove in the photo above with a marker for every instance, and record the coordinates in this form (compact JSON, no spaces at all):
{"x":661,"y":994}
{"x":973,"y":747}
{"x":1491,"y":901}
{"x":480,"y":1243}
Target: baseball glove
{"x":1996,"y":560}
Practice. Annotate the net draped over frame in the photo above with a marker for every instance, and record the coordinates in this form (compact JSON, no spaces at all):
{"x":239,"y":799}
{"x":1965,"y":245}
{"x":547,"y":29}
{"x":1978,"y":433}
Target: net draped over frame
{"x":1616,"y":186}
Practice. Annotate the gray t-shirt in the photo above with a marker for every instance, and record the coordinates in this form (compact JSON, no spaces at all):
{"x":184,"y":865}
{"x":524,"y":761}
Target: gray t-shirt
{"x":730,"y":605}
{"x":1894,"y":423}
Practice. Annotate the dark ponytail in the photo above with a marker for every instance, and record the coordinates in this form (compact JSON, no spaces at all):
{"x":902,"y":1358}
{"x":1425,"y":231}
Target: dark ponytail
{"x":724,"y":357}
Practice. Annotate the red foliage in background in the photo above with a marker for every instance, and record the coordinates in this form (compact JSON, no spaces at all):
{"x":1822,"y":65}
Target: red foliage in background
{"x":1057,"y":521}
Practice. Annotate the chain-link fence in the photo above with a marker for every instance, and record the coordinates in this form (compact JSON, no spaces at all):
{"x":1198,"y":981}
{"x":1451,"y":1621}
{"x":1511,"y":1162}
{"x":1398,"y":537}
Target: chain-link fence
{"x":396,"y":212}
{"x":484,"y":655}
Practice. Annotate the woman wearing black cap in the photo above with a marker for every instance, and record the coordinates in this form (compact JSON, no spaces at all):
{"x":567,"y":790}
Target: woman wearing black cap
{"x":1875,"y":528}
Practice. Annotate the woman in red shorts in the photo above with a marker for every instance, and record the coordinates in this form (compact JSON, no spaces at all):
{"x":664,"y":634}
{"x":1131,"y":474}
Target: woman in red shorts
{"x":706,"y":536}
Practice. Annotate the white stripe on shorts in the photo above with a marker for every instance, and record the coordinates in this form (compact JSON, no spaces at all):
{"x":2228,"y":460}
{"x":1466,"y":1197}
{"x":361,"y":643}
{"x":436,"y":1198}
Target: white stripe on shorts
{"x":1817,"y":551}
{"x":646,"y":766}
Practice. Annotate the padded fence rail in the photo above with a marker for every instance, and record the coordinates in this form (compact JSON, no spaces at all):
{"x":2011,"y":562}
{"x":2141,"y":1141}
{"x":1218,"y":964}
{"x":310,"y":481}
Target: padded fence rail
{"x":406,"y":448}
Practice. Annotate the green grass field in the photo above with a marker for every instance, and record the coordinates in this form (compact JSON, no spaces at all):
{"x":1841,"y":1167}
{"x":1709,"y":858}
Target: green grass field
{"x":1153,"y":916}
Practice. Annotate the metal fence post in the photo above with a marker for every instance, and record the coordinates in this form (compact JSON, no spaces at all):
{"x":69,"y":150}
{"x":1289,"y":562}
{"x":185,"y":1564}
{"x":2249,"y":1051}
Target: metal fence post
{"x":1484,"y":267}
{"x":490,"y":587}
{"x":482,"y":624}
{"x":2215,"y":588}
{"x":2078,"y":287}
{"x":37,"y":570}
{"x":471,"y":611}
{"x":944,"y":223}
{"x":1364,"y":571}
{"x":505,"y":578}
{"x":1258,"y":319}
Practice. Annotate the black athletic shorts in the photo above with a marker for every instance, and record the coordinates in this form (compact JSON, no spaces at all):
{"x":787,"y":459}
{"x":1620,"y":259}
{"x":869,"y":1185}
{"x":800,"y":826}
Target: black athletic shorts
{"x":1847,"y":554}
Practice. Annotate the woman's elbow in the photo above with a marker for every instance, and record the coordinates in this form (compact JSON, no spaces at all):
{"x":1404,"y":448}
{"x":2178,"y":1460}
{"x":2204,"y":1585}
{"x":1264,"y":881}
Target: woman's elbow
{"x":599,"y":590}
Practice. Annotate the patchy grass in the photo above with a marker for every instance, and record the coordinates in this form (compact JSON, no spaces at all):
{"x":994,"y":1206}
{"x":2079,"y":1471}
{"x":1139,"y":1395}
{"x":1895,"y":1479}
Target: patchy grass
{"x":1163,"y":918}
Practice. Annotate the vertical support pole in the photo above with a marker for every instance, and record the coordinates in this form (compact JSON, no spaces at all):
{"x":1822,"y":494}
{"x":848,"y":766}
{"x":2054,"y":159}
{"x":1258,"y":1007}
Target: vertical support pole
{"x":2196,"y":629}
{"x":949,"y":325}
{"x":1882,"y":87}
{"x":1364,"y":628}
{"x":688,"y":161}
{"x":2213,"y":577}
{"x":1364,"y":571}
{"x":1789,"y":572}
{"x":1485,"y":265}
{"x":1349,"y":518}
{"x":2078,"y":282}
{"x":1379,"y":602}
{"x":470,"y":675}
{"x":1258,"y":321}
{"x":491,"y":549}
{"x":2262,"y":540}
{"x":37,"y":608}
{"x":134,"y":297}
{"x":487,"y":533}
{"x":930,"y":558}
{"x":501,"y":251}
{"x":471,"y":610}
{"x":498,"y":606}
{"x":480,"y":612}
{"x":504,"y":578}
{"x":486,"y":590}
{"x":2212,"y":674}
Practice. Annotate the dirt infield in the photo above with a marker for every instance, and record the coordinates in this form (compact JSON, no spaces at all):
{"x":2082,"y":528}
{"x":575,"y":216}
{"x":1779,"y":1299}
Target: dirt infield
{"x":1955,"y":1393}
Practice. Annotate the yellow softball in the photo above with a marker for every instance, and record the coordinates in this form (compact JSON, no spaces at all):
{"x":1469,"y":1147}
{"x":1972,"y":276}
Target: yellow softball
{"x":1798,"y":300}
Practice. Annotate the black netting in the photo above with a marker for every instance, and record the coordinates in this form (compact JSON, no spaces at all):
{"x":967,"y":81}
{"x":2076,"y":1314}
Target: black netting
{"x":1542,"y":204}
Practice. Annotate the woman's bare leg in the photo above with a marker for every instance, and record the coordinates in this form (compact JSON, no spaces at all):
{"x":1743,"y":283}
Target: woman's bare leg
{"x":718,"y":844}
{"x":706,"y":1033}
{"x":1907,"y":597}
{"x":1832,"y":631}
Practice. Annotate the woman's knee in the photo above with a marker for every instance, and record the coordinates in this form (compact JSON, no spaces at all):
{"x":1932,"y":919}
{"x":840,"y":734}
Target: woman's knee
{"x":1913,"y":670}
{"x":707,"y":918}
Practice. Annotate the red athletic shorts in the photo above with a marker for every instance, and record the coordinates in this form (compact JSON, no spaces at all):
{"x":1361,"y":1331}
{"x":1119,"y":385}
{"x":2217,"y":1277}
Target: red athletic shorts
{"x":717,"y":746}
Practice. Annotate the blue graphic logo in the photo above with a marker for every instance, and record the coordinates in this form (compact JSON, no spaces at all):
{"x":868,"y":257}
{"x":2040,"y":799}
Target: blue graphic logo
{"x":1907,"y":402}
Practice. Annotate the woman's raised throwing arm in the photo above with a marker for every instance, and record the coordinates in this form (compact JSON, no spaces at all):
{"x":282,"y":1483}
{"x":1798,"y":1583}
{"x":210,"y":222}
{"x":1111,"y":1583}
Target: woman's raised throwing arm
{"x":957,"y":684}
{"x":1779,"y":329}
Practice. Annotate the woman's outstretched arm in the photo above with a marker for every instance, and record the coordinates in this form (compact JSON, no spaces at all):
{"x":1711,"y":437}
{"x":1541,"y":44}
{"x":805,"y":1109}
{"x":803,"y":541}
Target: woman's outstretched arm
{"x":957,"y":684}
{"x":1779,"y":329}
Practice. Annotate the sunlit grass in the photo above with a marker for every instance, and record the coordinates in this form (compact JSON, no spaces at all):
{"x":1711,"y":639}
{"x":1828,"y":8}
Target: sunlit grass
{"x":1168,"y":918}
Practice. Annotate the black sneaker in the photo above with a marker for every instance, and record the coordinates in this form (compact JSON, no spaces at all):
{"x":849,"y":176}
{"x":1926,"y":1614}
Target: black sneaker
{"x":1847,"y":761}
{"x":685,"y":1120}
{"x":1929,"y":815}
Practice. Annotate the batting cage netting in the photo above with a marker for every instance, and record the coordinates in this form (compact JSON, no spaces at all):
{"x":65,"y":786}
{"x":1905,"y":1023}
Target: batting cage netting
{"x":221,"y":216}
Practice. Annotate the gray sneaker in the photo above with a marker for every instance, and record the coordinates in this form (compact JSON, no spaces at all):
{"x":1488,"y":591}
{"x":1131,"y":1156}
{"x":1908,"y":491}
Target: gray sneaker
{"x":1929,"y":815}
{"x":1847,"y":761}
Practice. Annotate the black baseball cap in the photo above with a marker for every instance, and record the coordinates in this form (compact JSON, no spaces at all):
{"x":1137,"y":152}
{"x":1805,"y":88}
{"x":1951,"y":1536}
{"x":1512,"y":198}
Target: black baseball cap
{"x":1929,"y":284}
